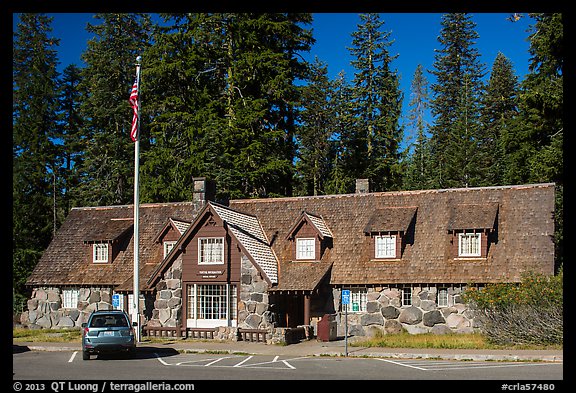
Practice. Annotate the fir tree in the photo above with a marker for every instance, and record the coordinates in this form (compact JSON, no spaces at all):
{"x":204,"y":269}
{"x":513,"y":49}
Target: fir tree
{"x":34,"y":115}
{"x":418,"y":164}
{"x":456,"y":104}
{"x":108,"y":168}
{"x":72,"y":141}
{"x":499,"y":109}
{"x":315,"y":132}
{"x":377,"y":100}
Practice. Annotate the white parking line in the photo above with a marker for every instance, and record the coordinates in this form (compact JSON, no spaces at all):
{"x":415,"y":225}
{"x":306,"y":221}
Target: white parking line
{"x":72,"y":357}
{"x":243,"y":361}
{"x":401,"y":364}
{"x":161,"y":360}
{"x":430,"y":365}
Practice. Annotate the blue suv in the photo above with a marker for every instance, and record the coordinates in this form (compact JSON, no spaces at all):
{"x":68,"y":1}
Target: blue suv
{"x":107,"y":331}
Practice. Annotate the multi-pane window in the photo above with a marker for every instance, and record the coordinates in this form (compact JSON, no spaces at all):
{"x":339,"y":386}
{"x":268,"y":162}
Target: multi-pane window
{"x":211,"y":250}
{"x":385,"y":246}
{"x":70,"y":298}
{"x":407,"y":296}
{"x":469,"y":244}
{"x":442,"y":297}
{"x":168,"y":246}
{"x":100,"y":252}
{"x":305,"y":248}
{"x":358,"y":300}
{"x":212,"y":301}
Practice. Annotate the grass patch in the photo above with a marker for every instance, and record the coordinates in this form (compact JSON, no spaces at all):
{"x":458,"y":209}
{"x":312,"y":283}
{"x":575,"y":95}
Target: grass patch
{"x":439,"y":341}
{"x":46,"y":335}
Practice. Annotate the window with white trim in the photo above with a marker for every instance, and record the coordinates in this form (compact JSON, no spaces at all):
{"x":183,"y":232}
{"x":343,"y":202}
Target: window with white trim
{"x":385,"y":246}
{"x":168,"y":246}
{"x":442,"y":297}
{"x":70,"y":298}
{"x":305,"y":248}
{"x":212,"y":301}
{"x":210,"y":250}
{"x":100,"y":253}
{"x":469,"y":244}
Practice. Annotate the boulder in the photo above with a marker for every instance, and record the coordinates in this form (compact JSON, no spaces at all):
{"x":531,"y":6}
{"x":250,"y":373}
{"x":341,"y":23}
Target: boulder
{"x":432,"y":318}
{"x":411,"y":315}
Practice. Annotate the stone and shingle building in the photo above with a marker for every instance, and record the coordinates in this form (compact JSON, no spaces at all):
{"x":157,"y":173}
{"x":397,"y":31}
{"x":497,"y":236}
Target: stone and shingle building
{"x":271,"y":269}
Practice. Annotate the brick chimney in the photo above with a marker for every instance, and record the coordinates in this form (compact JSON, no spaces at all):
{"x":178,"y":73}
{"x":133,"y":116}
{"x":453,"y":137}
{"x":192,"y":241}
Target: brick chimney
{"x":362,"y":186}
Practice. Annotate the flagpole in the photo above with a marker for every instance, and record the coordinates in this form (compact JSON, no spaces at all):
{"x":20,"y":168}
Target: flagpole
{"x":136,"y":295}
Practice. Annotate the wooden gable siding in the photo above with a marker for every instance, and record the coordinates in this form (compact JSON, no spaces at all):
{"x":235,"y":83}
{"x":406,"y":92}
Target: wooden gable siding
{"x":524,"y":238}
{"x":211,"y":226}
{"x":305,"y":230}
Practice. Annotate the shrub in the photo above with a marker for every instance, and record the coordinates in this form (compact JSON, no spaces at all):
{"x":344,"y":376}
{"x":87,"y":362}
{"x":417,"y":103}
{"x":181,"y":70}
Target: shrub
{"x":529,"y":312}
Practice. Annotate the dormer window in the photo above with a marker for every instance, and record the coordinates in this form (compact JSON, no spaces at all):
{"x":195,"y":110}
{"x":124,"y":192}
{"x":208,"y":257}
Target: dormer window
{"x":305,"y":248}
{"x":390,"y":229}
{"x":385,"y":246}
{"x":100,"y":252}
{"x":310,"y":237}
{"x":168,"y":246}
{"x":472,"y":227}
{"x":469,"y":244}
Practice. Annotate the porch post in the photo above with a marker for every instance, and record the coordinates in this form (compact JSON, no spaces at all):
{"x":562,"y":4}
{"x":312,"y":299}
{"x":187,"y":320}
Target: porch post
{"x":306,"y":309}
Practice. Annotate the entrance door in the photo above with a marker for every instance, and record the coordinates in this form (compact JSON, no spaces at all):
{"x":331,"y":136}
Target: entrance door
{"x":290,"y":310}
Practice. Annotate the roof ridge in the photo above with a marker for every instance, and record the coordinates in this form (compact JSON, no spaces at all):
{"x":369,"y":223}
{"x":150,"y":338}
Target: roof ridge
{"x":146,"y":205}
{"x":395,"y":192}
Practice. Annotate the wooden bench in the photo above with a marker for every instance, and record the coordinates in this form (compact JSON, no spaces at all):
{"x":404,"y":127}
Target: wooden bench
{"x":252,"y":335}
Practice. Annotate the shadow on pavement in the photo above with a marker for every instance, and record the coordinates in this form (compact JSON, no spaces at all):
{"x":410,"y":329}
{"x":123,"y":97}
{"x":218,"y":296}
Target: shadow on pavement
{"x":140,"y":353}
{"x":19,"y":348}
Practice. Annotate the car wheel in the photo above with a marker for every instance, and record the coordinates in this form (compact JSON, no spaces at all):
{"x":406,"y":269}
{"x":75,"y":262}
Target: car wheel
{"x":85,"y":355}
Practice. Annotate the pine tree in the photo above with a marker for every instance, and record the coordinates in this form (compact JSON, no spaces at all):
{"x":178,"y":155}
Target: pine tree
{"x":418,"y":165}
{"x":499,"y":109}
{"x":107,"y":171}
{"x":377,"y":99}
{"x":456,"y":105}
{"x":34,"y":113}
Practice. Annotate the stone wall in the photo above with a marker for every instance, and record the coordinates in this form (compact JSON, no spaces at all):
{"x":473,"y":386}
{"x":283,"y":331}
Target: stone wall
{"x":386,"y":315}
{"x":253,"y":304}
{"x":45,"y":307}
{"x":167,"y":311}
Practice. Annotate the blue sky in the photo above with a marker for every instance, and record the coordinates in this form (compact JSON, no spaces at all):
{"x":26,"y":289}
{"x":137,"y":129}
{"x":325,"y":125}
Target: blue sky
{"x":414,"y":34}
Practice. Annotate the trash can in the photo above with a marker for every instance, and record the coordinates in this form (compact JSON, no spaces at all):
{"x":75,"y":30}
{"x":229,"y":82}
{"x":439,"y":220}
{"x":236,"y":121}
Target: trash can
{"x":327,"y":328}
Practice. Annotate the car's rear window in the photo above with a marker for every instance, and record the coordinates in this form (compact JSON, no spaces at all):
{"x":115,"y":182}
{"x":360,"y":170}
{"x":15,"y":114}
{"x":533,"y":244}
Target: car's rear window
{"x":108,"y":320}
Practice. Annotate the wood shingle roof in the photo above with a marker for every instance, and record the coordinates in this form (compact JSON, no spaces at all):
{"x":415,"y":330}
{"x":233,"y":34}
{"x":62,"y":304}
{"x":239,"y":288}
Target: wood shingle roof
{"x":66,"y":261}
{"x":524,"y":240}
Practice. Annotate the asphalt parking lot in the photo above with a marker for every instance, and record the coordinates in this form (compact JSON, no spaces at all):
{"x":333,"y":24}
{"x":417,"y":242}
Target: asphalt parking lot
{"x":166,"y":365}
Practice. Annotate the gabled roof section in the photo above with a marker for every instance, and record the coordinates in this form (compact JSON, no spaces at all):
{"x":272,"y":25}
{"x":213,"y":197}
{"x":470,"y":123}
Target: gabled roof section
{"x":65,"y":261}
{"x":109,"y":230}
{"x":473,"y":216}
{"x":391,"y":219}
{"x":317,"y":222}
{"x":179,"y":226}
{"x":249,"y":233}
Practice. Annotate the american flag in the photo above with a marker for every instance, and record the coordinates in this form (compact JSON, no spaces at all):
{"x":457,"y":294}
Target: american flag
{"x":134,"y":102}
